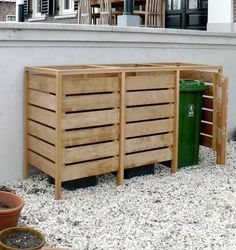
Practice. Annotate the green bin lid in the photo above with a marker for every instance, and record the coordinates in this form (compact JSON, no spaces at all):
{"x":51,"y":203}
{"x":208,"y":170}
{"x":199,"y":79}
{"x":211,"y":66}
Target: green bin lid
{"x":192,"y":85}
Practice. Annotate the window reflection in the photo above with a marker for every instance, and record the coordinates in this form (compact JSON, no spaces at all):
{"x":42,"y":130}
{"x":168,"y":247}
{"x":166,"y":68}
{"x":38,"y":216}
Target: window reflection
{"x":197,"y":4}
{"x":174,"y":4}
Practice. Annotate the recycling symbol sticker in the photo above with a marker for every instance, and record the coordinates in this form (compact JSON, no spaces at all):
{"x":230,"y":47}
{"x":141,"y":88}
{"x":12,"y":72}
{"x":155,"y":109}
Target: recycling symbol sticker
{"x":191,"y":110}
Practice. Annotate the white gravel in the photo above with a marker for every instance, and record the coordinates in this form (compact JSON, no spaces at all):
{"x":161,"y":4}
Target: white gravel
{"x":192,"y":209}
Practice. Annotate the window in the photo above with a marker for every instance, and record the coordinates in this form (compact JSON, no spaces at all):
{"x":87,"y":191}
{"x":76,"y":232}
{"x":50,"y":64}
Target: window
{"x":10,"y":18}
{"x":66,"y":6}
{"x":40,"y":8}
{"x":174,"y":5}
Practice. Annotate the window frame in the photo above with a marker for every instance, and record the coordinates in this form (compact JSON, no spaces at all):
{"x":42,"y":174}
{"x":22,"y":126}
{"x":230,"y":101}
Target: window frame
{"x":10,"y":21}
{"x":64,"y":11}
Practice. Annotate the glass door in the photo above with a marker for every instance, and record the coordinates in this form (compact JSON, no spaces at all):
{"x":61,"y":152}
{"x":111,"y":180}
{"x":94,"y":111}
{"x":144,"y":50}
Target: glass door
{"x":186,"y":14}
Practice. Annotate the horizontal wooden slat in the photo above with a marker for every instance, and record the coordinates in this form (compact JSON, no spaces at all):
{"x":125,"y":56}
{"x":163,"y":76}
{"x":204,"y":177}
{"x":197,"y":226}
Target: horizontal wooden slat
{"x":162,"y":80}
{"x":43,"y":116}
{"x":149,"y":112}
{"x":90,"y":85}
{"x":42,"y":83}
{"x":197,"y":75}
{"x":150,"y":127}
{"x":207,"y":115}
{"x":206,"y":141}
{"x":85,"y":153}
{"x":85,"y":136}
{"x":43,"y":132}
{"x":42,"y":148}
{"x":90,"y":119}
{"x":207,"y":103}
{"x":90,"y":102}
{"x":206,"y":128}
{"x":42,"y":163}
{"x":140,"y":159}
{"x":41,"y":99}
{"x":91,"y":168}
{"x":148,"y":142}
{"x":149,"y":97}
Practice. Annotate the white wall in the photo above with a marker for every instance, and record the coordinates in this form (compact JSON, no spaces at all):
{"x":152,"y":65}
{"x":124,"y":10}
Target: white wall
{"x":220,"y":15}
{"x":51,"y":44}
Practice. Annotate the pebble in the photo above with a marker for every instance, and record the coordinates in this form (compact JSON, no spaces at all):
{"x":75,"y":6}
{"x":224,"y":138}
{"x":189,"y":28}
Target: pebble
{"x":191,"y":209}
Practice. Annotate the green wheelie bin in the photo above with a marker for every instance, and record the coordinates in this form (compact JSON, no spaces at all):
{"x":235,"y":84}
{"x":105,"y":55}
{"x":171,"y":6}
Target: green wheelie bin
{"x":190,"y":111}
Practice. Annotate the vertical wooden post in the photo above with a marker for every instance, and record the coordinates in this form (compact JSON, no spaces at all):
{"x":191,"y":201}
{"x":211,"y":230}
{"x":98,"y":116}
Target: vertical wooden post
{"x":120,"y":173}
{"x":58,"y":163}
{"x":26,"y":117}
{"x":222,"y":136}
{"x":214,"y":129}
{"x":174,"y":162}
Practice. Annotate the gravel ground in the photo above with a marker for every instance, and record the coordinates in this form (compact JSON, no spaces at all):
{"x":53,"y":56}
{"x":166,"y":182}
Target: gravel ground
{"x":192,"y":209}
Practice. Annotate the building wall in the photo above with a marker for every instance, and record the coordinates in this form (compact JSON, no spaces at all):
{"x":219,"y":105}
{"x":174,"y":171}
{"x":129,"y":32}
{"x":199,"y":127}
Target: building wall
{"x":27,"y":44}
{"x":6,"y":8}
{"x":220,"y":15}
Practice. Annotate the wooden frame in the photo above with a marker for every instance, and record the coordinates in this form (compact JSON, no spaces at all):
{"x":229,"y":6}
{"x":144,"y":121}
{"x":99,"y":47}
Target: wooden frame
{"x":88,"y":120}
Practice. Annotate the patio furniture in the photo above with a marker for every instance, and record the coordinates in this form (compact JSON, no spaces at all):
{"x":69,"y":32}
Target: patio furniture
{"x":109,"y":12}
{"x":84,"y":12}
{"x":154,"y":13}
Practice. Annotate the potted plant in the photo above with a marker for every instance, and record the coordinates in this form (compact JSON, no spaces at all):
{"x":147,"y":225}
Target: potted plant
{"x":10,"y":208}
{"x":24,"y":238}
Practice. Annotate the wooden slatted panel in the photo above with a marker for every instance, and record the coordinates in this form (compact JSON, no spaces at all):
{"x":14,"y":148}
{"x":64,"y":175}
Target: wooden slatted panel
{"x":93,"y":135}
{"x":42,"y":83}
{"x":90,"y":102}
{"x":42,"y":132}
{"x":43,"y":116}
{"x":209,"y":91}
{"x":207,"y":102}
{"x":148,"y":157}
{"x":207,"y":115}
{"x":90,"y":152}
{"x":42,"y":163}
{"x":149,"y":127}
{"x":90,"y":119}
{"x":148,"y":142}
{"x":206,"y":128}
{"x":41,"y":99}
{"x":42,"y":148}
{"x":149,"y":112}
{"x":206,"y":140}
{"x":91,"y":168}
{"x":90,"y":85}
{"x":197,"y":75}
{"x":149,"y":97}
{"x":157,"y":81}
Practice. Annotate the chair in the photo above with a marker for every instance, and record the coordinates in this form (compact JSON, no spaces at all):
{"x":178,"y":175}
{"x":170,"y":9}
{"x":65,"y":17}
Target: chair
{"x":84,"y":12}
{"x":108,"y":15}
{"x":154,"y":13}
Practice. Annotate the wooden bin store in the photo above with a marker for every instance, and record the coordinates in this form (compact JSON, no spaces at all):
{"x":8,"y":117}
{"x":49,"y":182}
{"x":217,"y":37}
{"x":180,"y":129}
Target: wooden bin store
{"x":88,"y":120}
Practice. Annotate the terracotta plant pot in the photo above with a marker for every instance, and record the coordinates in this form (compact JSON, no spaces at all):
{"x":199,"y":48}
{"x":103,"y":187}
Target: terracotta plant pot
{"x":12,"y":205}
{"x":23,"y":238}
